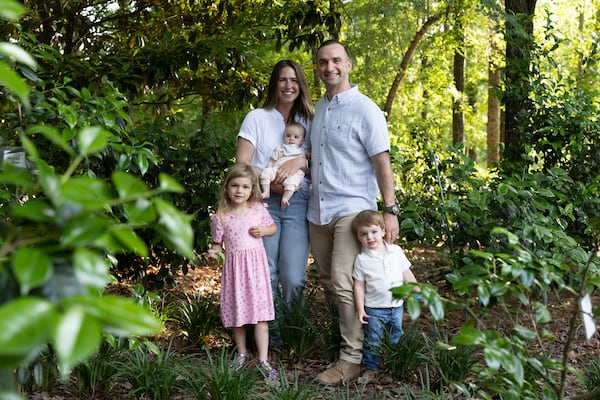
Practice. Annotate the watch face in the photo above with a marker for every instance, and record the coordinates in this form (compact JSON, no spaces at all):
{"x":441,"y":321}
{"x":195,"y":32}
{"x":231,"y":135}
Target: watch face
{"x":391,"y":209}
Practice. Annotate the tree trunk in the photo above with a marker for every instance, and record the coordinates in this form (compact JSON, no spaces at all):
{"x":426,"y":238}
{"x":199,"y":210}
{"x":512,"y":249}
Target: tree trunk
{"x":405,"y":60}
{"x":493,"y":112}
{"x":519,"y":42}
{"x":458,"y":115}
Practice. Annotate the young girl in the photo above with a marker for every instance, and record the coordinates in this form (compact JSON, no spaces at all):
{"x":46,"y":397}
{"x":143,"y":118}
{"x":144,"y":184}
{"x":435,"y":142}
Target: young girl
{"x":237,"y":230}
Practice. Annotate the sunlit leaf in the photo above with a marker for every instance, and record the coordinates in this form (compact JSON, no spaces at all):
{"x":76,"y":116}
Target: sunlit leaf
{"x":76,"y":338}
{"x":31,"y":267}
{"x":91,"y":269}
{"x":128,"y":185}
{"x":119,"y":315}
{"x":179,"y":232}
{"x":26,"y":325}
{"x":13,"y":51}
{"x":91,"y":140}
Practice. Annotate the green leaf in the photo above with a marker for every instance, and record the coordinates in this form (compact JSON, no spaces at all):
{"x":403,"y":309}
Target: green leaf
{"x":13,"y":82}
{"x":524,"y":333}
{"x":53,"y":135}
{"x":31,"y":267}
{"x":483,"y":294}
{"x":91,"y":269}
{"x":513,"y":365}
{"x":76,"y":338}
{"x":179,"y":232}
{"x":128,"y":185}
{"x":469,"y":336}
{"x":119,"y":315}
{"x":128,"y":240}
{"x":494,"y":357}
{"x":84,"y":231}
{"x":168,"y":184}
{"x":91,"y":140}
{"x":26,"y":326}
{"x":140,"y":213}
{"x":413,"y":308}
{"x":90,"y":193}
{"x":542,"y":315}
{"x":11,"y":10}
{"x":13,"y":51}
{"x":436,"y":308}
{"x":12,"y":174}
{"x":4,"y":394}
{"x":35,"y":210}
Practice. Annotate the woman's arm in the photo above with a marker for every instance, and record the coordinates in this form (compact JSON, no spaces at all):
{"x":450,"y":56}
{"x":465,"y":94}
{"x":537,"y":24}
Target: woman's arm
{"x":244,"y":152}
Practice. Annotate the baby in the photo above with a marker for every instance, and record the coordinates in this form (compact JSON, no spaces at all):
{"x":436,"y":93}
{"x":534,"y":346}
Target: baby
{"x":293,"y":138}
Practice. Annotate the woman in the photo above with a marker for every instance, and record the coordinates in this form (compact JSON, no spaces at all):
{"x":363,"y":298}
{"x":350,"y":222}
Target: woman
{"x":288,"y":100}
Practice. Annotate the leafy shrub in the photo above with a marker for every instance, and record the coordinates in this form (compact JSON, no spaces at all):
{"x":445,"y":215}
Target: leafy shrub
{"x":65,"y":216}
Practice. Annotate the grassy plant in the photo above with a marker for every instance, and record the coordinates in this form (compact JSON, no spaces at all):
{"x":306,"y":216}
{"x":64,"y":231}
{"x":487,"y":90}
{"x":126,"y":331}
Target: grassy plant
{"x":404,"y":357}
{"x":355,"y":391}
{"x":214,"y":379}
{"x":329,"y":329}
{"x":96,"y":374}
{"x":198,"y":315}
{"x":299,"y":334}
{"x":592,"y":374}
{"x":41,"y":373}
{"x":151,"y":373}
{"x":453,"y":363}
{"x":295,"y":390}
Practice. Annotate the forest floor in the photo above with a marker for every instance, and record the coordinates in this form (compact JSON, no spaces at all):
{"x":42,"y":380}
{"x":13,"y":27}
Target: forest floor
{"x":430,"y":266}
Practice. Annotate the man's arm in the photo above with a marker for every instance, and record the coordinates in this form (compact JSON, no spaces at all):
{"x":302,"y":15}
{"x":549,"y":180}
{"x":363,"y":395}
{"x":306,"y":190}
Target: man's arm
{"x":385,"y":180}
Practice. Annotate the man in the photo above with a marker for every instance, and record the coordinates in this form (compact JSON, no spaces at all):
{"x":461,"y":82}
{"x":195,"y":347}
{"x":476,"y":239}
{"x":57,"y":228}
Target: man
{"x":350,"y":167}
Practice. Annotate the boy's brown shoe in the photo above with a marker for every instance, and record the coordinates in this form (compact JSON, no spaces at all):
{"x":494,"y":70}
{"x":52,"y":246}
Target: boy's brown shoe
{"x":369,"y":376}
{"x":340,"y":372}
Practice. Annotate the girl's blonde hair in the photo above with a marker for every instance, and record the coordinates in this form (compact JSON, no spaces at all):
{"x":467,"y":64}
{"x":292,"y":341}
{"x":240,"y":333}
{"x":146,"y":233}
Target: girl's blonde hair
{"x":241,"y":170}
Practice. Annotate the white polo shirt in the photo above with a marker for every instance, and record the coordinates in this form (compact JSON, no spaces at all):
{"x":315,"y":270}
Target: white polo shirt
{"x":381,"y":272}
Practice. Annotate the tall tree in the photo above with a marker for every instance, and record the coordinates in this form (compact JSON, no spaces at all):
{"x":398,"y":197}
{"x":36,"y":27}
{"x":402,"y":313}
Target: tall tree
{"x":493,"y":103}
{"x":458,"y":115}
{"x":406,"y":60}
{"x":519,"y":44}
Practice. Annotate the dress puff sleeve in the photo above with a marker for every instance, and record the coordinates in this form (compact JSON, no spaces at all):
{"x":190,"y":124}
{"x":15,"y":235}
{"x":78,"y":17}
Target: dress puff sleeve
{"x":265,"y":217}
{"x":216,"y":229}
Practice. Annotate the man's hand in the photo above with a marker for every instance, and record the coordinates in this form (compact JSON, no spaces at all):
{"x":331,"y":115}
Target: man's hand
{"x":392,"y":227}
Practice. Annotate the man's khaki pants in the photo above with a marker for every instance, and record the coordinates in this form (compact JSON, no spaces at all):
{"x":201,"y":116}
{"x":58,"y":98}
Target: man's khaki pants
{"x":334,"y":248}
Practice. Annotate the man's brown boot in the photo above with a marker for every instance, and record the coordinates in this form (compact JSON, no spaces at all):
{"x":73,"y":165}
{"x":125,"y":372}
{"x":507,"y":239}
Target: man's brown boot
{"x":340,"y":373}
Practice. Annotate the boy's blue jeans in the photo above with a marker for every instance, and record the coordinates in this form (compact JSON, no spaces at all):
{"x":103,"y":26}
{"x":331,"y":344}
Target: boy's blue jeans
{"x":380,"y":320}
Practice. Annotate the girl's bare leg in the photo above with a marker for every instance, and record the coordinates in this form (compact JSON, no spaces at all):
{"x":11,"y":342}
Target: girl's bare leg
{"x":261,"y":335}
{"x":239,"y":337}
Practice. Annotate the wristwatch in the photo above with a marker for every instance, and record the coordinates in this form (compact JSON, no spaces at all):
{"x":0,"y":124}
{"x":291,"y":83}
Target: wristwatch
{"x":393,"y":209}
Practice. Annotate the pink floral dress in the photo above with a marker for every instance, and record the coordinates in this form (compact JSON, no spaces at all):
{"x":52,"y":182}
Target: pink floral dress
{"x":245,"y":285}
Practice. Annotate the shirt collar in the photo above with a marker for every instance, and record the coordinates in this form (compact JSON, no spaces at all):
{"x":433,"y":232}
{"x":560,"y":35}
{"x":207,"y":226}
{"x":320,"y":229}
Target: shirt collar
{"x":343,"y":97}
{"x":375,"y":253}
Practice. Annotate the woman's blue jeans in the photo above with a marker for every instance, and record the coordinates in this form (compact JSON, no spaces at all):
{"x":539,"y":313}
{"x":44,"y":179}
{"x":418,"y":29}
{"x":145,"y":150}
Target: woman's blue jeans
{"x":287,"y":250}
{"x":380,"y":320}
